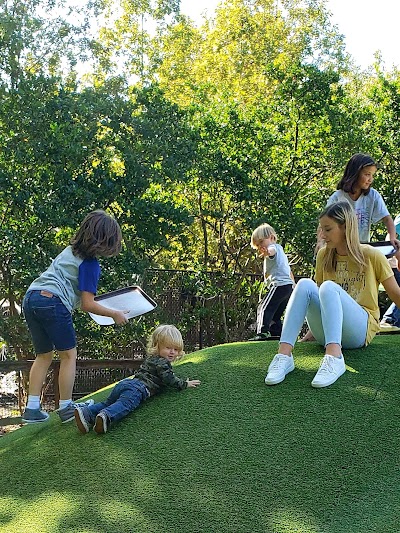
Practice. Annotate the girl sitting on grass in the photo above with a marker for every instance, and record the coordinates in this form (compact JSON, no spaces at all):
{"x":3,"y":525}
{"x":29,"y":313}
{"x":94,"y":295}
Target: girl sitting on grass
{"x":341,"y":306}
{"x":165,"y":345}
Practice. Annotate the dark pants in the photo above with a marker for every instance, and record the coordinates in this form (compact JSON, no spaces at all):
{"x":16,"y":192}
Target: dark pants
{"x":271,"y":308}
{"x":392,"y":314}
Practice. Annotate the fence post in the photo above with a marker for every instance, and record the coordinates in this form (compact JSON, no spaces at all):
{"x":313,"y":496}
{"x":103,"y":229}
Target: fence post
{"x":56,"y":388}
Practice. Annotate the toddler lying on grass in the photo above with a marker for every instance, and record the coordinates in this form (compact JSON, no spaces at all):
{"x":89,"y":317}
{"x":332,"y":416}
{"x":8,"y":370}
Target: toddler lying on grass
{"x":165,"y":345}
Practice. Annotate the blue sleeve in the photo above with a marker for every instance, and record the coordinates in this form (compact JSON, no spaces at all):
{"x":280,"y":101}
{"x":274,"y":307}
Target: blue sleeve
{"x":89,"y":275}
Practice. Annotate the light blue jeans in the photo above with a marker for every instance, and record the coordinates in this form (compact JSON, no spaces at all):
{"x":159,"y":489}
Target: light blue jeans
{"x":332,"y":315}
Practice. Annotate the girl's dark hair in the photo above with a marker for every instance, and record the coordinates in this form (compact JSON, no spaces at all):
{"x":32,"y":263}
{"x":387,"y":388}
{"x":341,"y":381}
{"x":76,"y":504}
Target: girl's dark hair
{"x":350,"y":176}
{"x":98,"y":236}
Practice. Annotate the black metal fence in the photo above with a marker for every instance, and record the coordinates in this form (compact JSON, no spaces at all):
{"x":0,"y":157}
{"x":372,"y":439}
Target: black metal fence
{"x":208,"y":307}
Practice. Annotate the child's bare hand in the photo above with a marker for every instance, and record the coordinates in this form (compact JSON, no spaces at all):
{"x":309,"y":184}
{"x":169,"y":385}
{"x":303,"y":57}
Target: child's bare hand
{"x":120,"y":317}
{"x":396,"y":245}
{"x":192,"y":383}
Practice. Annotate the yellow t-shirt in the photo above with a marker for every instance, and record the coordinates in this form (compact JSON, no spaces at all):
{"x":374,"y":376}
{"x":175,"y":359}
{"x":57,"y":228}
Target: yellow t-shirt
{"x":361,"y":286}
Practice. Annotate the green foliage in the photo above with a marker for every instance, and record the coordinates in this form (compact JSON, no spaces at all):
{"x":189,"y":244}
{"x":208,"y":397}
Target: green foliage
{"x":39,"y":36}
{"x":95,"y":150}
{"x":249,"y":118}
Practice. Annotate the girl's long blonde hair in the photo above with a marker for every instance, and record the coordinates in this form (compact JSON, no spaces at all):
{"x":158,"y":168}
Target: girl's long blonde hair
{"x":343,"y":213}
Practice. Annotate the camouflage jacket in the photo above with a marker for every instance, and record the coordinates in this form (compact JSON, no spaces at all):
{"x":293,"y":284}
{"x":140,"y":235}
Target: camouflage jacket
{"x":156,"y":373}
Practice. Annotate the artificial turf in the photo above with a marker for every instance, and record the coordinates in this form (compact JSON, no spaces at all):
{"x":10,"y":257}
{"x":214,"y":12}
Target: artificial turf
{"x":232,"y":455}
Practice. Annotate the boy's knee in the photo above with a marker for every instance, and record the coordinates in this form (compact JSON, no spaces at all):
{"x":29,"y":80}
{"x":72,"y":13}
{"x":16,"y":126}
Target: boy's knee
{"x":68,"y":355}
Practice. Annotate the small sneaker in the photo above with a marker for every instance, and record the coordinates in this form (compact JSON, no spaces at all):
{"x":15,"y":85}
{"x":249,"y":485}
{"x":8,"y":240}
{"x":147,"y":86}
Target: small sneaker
{"x":101,"y":424}
{"x":331,"y":368}
{"x":386,"y":327}
{"x":83,"y":418}
{"x":261,"y":337}
{"x":68,"y":413}
{"x":31,"y":416}
{"x":279,"y":367}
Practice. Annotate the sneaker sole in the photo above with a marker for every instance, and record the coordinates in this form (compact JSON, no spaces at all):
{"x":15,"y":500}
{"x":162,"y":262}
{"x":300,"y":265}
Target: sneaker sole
{"x":100,"y":427}
{"x":34,"y":421}
{"x":272,"y":338}
{"x":276,"y":381}
{"x":80,"y":421}
{"x":70,"y":419}
{"x":331,"y":382}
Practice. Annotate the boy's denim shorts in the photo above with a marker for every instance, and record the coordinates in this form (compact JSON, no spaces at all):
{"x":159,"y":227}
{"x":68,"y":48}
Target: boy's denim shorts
{"x":49,"y":322}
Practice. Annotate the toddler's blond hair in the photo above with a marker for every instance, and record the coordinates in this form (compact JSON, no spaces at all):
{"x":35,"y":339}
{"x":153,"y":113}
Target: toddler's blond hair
{"x":165,"y":335}
{"x":262,"y":232}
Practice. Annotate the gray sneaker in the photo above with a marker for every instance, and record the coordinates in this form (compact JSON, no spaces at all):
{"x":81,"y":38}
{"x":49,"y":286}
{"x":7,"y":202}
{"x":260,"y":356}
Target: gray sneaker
{"x":101,"y":424}
{"x":83,"y":418}
{"x":68,"y":413}
{"x":32,"y":416}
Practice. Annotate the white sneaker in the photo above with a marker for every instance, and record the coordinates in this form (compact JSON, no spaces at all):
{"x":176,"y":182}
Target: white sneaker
{"x":385,"y":327}
{"x":331,"y":368}
{"x":279,"y":367}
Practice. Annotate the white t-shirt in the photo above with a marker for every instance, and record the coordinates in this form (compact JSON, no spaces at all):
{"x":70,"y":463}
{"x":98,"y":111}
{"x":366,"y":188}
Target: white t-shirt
{"x":369,"y":209}
{"x":67,"y":276}
{"x":277,"y":268}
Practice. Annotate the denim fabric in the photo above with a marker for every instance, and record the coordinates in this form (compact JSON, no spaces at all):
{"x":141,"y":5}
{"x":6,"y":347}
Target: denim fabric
{"x":332,"y":315}
{"x":49,"y":322}
{"x":392,"y":314}
{"x":125,"y":397}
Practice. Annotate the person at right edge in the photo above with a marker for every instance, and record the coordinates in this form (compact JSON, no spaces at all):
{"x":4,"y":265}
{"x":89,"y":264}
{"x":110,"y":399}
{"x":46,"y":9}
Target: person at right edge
{"x":391,"y":319}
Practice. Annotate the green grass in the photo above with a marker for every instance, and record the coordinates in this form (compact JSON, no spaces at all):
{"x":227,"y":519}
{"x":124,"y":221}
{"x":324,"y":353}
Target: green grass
{"x":230,"y":456}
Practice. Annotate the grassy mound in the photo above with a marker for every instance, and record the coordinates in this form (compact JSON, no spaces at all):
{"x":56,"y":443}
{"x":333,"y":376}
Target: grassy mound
{"x":230,"y":456}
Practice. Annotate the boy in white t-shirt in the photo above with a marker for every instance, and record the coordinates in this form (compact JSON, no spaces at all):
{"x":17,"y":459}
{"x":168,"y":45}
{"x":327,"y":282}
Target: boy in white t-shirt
{"x":278,"y":275}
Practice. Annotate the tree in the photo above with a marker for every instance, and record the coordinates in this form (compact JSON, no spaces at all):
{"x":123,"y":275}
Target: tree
{"x":232,"y":55}
{"x":66,"y":153}
{"x":40,"y":37}
{"x":124,"y":45}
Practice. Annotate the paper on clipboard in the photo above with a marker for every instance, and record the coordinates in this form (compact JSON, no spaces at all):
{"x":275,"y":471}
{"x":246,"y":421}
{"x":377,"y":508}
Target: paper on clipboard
{"x":131,"y":298}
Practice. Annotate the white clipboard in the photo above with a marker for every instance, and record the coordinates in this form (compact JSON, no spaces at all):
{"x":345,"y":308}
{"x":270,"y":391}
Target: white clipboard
{"x":386,"y":247}
{"x":131,"y":298}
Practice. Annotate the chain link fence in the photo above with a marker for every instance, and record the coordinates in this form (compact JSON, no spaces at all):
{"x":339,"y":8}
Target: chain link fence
{"x":208,"y":307}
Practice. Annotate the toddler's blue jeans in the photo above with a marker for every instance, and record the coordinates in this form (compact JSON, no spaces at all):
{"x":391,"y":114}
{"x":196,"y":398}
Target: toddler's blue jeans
{"x":126,"y":396}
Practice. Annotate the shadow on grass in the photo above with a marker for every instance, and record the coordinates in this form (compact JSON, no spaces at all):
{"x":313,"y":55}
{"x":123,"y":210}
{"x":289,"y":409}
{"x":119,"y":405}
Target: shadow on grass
{"x":230,"y":456}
